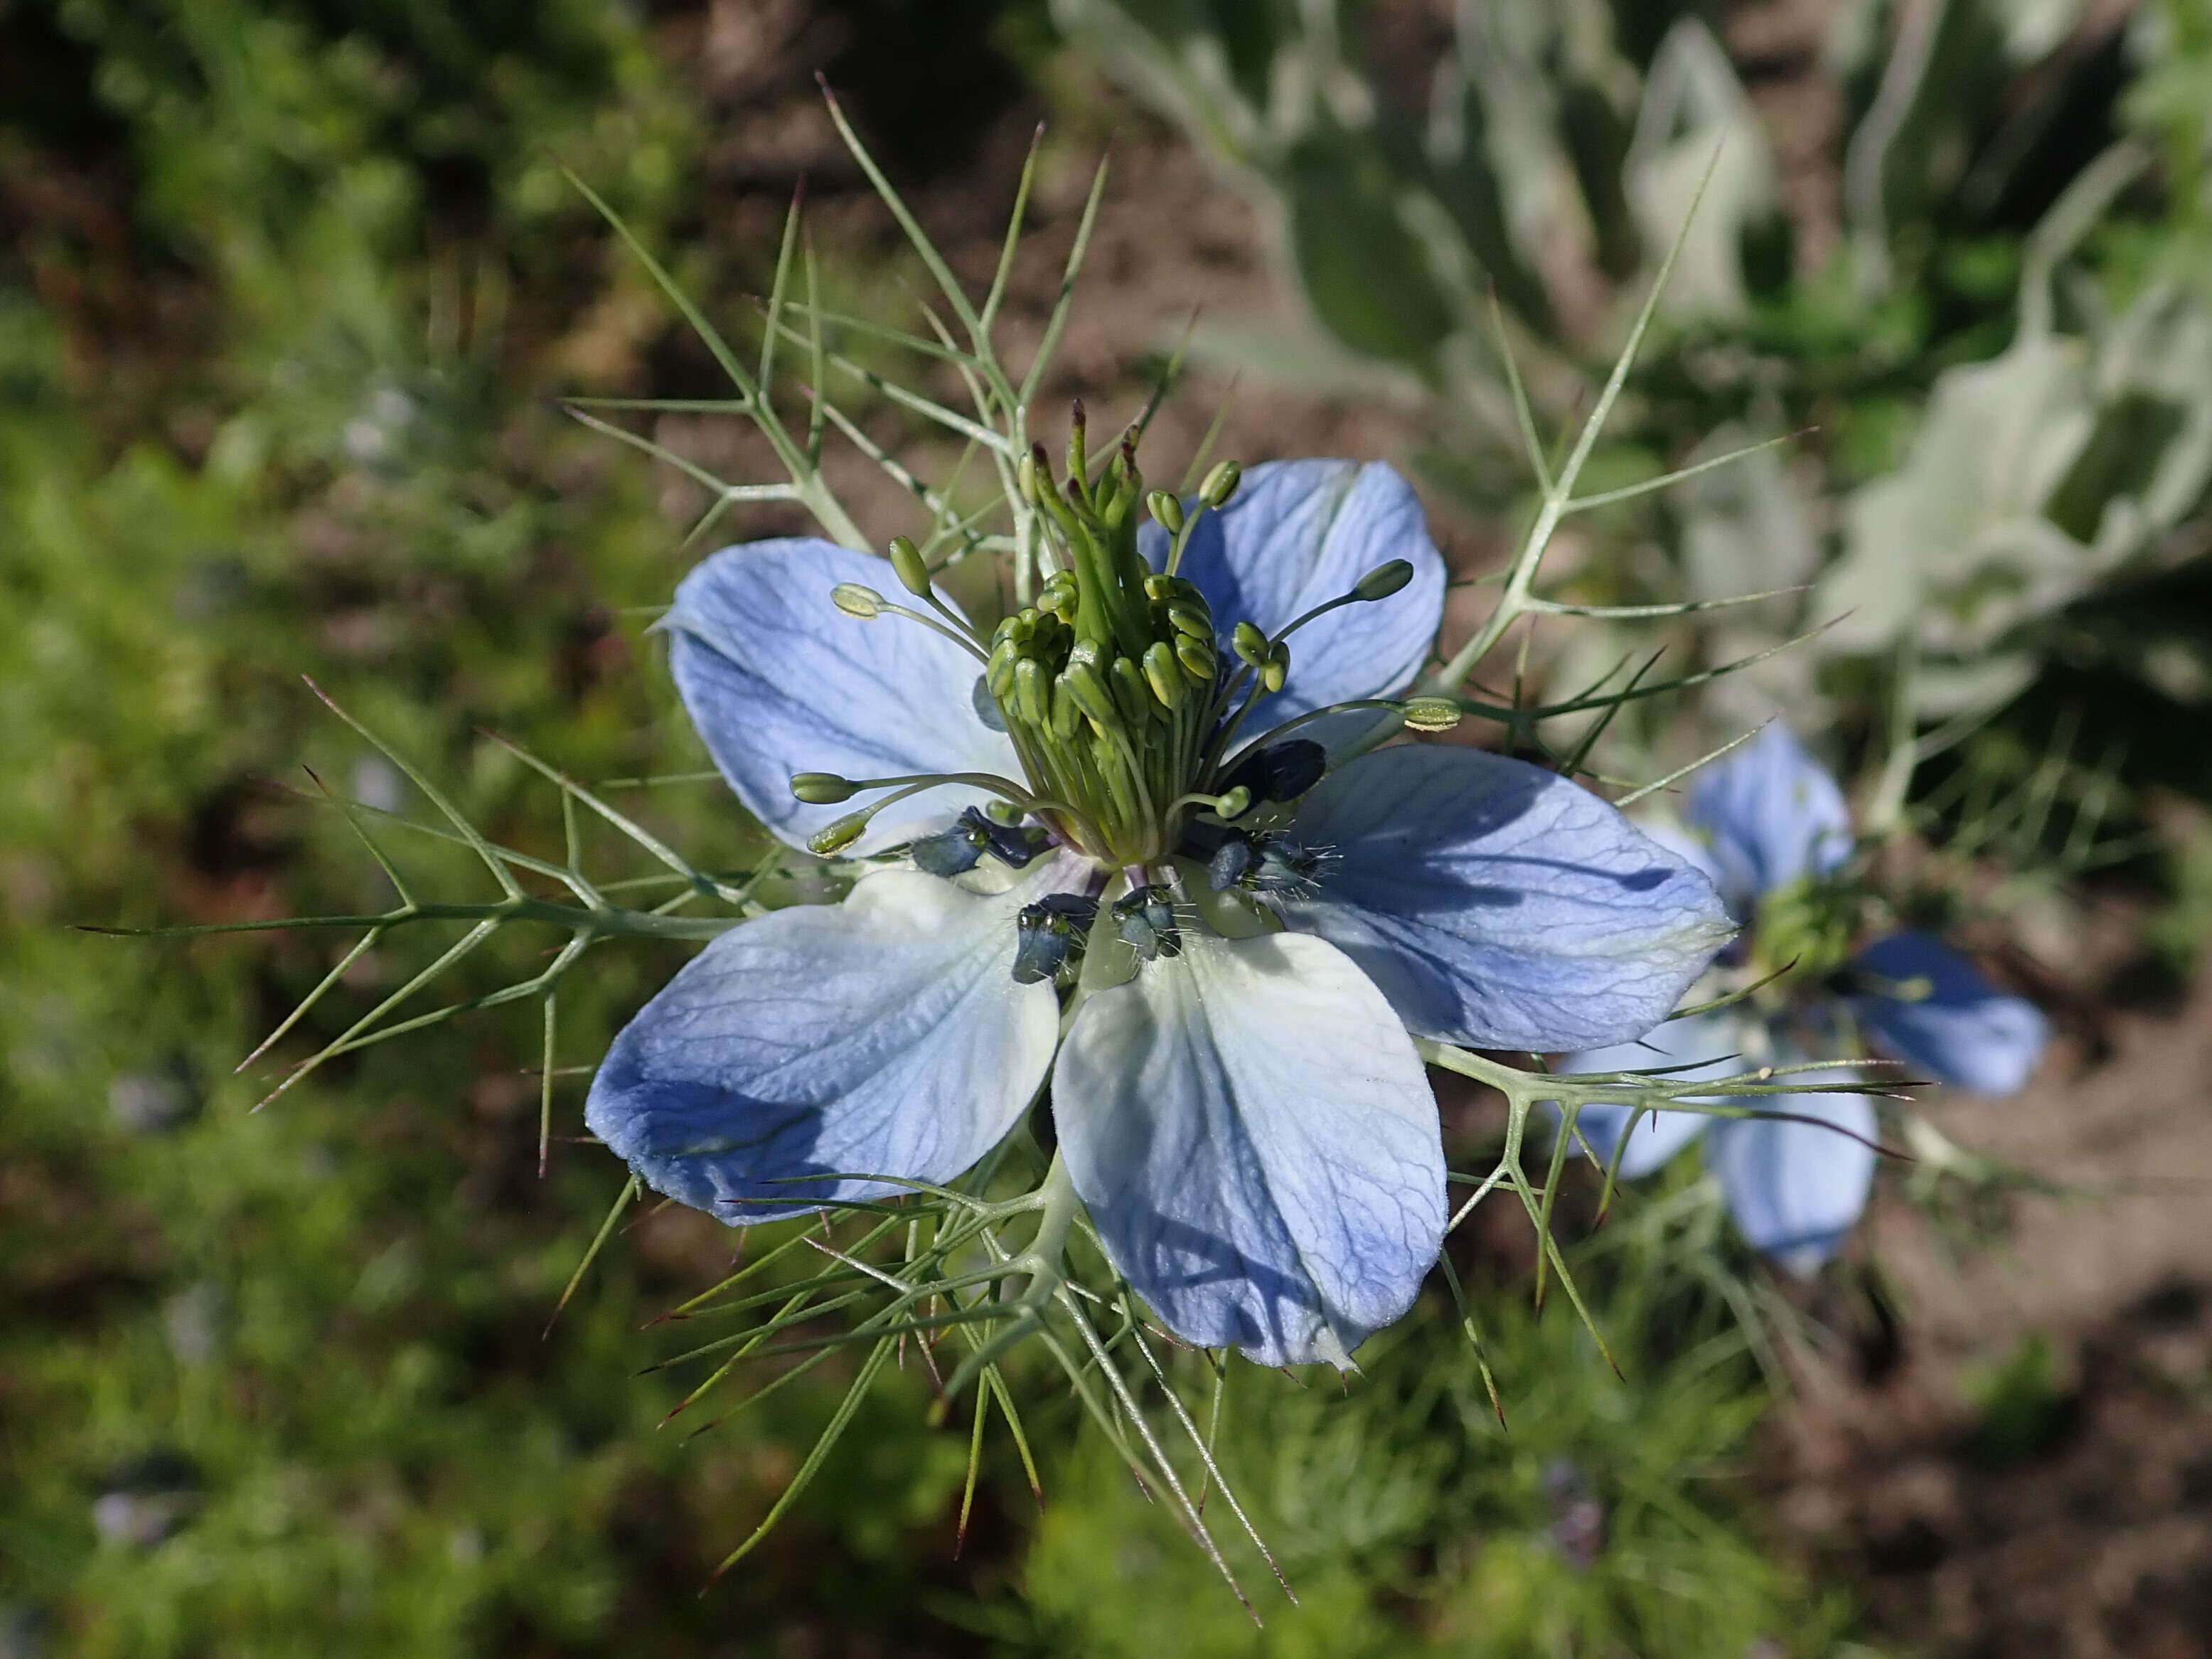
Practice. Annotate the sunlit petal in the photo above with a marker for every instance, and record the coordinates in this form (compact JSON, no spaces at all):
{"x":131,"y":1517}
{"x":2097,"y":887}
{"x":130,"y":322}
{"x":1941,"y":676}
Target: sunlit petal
{"x":777,"y":680}
{"x":883,"y":1035}
{"x":1297,"y":535}
{"x":1257,"y":1144}
{"x":1500,"y":905}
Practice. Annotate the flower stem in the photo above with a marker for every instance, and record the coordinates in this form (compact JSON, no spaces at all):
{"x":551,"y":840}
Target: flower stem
{"x":1057,"y":1204}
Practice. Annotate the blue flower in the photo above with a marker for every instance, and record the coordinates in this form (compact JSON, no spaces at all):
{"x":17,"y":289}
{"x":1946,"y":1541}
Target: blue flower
{"x":1217,"y":943}
{"x":1772,"y":828}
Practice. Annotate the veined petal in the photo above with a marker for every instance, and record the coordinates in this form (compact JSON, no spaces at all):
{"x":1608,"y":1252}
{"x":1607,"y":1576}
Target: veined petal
{"x":884,"y":1036}
{"x":1256,"y":1142}
{"x":1297,"y":535}
{"x":1937,"y":1013}
{"x":1772,"y":814}
{"x":1500,"y":905}
{"x":1795,"y":1187}
{"x":1705,"y":1045}
{"x":777,"y":680}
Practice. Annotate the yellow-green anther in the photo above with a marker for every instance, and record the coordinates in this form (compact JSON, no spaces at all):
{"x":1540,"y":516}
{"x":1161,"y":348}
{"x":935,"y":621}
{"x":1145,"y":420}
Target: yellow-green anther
{"x":1232,"y":804}
{"x":1166,"y":510}
{"x":1189,"y":619}
{"x":911,"y":568}
{"x":1197,"y":659}
{"x":1081,"y":682}
{"x":1066,"y":712}
{"x":822,"y":788}
{"x":1129,"y":691}
{"x":1164,"y":674}
{"x":1251,"y":643}
{"x":1220,"y":484}
{"x":839,"y":836}
{"x":1431,"y":713}
{"x":1025,"y":475}
{"x":1031,"y":703}
{"x":855,"y":600}
{"x":998,"y":672}
{"x":1277,"y":668}
{"x":1384,"y":580}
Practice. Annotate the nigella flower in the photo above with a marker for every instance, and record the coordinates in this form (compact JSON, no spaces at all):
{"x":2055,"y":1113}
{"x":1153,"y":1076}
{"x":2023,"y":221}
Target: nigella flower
{"x":1126,"y":873}
{"x":1773,"y":832}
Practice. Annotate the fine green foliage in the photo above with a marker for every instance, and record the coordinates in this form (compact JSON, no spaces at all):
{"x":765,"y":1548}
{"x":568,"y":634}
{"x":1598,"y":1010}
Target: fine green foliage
{"x":1600,"y":1516}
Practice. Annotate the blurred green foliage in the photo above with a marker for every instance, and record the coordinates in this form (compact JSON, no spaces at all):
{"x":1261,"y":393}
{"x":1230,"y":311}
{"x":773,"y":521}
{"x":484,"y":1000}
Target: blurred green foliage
{"x":287,"y":288}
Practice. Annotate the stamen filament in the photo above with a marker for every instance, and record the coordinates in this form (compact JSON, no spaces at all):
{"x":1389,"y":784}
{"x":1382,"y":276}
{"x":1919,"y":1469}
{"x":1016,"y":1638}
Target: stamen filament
{"x":957,"y":632}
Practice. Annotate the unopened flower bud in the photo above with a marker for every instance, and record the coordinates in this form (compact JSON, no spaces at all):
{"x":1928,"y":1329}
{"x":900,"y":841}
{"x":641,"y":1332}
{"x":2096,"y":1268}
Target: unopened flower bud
{"x":855,"y":600}
{"x":1431,"y":713}
{"x":1278,"y":668}
{"x":1251,"y":643}
{"x":1026,"y":476}
{"x":1384,"y":580}
{"x":912,"y":569}
{"x":1166,"y":510}
{"x":1220,"y":484}
{"x":1232,"y":803}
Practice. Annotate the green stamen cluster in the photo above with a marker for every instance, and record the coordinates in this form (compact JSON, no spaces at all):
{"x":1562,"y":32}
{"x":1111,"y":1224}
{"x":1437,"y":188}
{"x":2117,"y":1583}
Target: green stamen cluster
{"x":1110,"y":685}
{"x":1806,"y":926}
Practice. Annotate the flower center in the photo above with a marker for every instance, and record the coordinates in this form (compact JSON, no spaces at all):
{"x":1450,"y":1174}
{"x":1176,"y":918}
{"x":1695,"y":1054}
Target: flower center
{"x":1111,"y":686}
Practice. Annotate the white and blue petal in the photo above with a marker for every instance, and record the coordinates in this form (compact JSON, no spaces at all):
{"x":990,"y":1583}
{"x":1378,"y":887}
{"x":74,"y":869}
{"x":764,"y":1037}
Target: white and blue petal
{"x":777,"y":680}
{"x":1795,"y":1183}
{"x":1771,"y":815}
{"x":1703,"y":1046}
{"x":1256,"y":1140}
{"x":1500,"y":905}
{"x":882,"y":1036}
{"x":1297,"y":535}
{"x":1934,"y":1011}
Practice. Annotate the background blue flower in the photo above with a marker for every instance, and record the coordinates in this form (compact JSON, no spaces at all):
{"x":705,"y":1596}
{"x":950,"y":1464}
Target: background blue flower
{"x":1767,"y":818}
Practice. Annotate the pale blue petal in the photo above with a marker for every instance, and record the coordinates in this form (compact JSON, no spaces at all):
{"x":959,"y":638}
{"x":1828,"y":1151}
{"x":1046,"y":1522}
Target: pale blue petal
{"x":1942,"y":1018}
{"x":1772,"y":816}
{"x":883,"y":1035}
{"x":777,"y":680}
{"x":1795,"y":1186}
{"x":1257,"y":1144}
{"x":1500,"y":905}
{"x":1297,"y":535}
{"x":1705,"y":1045}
